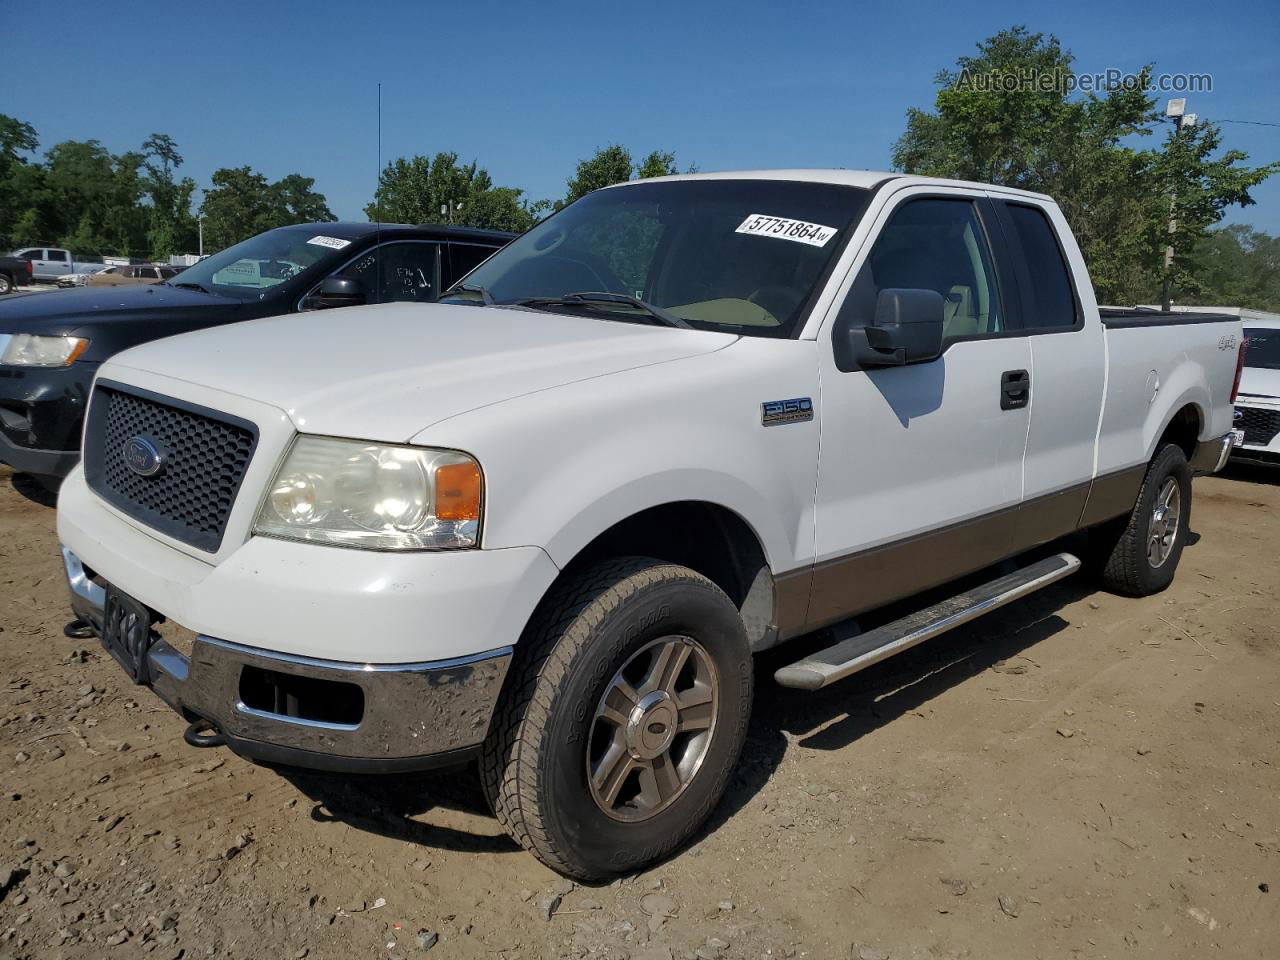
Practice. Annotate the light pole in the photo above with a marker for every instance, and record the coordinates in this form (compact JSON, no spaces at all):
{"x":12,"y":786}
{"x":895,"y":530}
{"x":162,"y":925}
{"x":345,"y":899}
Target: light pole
{"x":450,"y":208}
{"x":1176,"y":110}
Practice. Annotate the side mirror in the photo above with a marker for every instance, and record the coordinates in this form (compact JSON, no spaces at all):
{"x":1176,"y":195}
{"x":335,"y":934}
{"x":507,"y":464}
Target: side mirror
{"x":907,"y":328}
{"x":337,"y":292}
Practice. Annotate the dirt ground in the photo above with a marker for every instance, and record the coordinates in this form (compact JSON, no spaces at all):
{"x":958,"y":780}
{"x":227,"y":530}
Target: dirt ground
{"x":1079,"y":775}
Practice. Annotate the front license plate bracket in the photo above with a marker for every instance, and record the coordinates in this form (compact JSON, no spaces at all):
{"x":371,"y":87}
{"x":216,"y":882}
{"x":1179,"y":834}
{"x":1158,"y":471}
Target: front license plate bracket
{"x":127,"y":634}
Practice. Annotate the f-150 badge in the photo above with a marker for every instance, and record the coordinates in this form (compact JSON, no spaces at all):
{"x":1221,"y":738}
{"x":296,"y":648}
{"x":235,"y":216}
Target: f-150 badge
{"x":775,"y":412}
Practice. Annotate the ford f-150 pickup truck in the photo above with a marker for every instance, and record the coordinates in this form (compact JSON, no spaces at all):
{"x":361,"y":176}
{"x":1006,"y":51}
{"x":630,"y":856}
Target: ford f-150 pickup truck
{"x":51,"y":346}
{"x":546,"y":523}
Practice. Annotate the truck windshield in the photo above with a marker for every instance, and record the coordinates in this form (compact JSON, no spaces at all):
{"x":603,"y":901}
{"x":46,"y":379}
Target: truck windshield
{"x":744,"y":256}
{"x":251,"y":268}
{"x":1262,"y":348}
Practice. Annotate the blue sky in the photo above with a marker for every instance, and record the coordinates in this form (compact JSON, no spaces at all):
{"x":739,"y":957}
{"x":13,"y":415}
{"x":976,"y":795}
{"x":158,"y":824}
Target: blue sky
{"x":528,"y":89}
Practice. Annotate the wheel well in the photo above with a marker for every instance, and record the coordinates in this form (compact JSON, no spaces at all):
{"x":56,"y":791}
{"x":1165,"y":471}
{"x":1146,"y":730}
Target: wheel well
{"x":706,"y":537}
{"x":1183,"y":430}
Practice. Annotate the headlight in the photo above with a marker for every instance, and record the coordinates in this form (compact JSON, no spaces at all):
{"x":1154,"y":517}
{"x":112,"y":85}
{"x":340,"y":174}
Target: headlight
{"x":29,"y":350}
{"x":375,"y":496}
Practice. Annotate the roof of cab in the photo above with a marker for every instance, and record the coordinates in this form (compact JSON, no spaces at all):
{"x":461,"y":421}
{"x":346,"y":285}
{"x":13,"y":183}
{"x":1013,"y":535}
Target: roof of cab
{"x":352,"y":229}
{"x":866,"y":179}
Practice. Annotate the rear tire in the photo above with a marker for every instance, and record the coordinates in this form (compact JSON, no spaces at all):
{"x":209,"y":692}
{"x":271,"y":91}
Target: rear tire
{"x":1138,"y":554}
{"x":6,"y":285}
{"x":622,"y":719}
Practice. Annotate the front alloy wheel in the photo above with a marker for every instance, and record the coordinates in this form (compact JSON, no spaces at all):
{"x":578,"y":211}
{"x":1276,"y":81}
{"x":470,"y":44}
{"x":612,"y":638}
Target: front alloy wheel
{"x":652,"y":728}
{"x":623,"y":716}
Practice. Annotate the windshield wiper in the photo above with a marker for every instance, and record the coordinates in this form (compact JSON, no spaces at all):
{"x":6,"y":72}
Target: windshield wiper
{"x":190,"y":286}
{"x":591,"y":298}
{"x":484,"y":294}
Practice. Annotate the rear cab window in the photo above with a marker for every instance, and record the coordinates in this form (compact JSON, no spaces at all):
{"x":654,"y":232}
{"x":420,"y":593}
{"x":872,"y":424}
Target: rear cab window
{"x":1048,"y":297}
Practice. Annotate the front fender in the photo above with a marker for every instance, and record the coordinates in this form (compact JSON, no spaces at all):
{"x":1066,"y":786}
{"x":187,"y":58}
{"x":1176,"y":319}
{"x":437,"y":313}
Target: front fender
{"x":669,"y":486}
{"x":564,"y":465}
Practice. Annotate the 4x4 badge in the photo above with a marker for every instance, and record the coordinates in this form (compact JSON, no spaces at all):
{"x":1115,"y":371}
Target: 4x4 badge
{"x":775,"y":412}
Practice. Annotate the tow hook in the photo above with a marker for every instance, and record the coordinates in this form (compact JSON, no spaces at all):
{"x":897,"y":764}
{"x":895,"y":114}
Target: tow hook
{"x":79,"y":629}
{"x":203,"y":733}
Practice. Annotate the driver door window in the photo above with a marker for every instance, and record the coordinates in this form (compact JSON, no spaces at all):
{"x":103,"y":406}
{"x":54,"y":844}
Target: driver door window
{"x":397,"y":273}
{"x":935,"y":244}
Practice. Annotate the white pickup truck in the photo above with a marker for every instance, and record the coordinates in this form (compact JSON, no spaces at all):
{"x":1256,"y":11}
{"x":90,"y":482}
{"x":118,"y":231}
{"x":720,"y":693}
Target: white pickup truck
{"x":547,"y":522}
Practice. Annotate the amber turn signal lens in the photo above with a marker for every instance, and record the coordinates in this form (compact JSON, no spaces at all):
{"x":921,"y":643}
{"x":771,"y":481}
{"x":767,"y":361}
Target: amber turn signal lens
{"x":458,"y":492}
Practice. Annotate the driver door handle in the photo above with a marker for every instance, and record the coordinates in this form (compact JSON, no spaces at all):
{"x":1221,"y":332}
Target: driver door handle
{"x":1015,"y":389}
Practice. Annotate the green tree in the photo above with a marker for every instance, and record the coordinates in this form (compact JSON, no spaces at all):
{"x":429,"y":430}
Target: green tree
{"x":609,"y":165}
{"x":1199,"y":184}
{"x":237,"y":206}
{"x":93,"y":197}
{"x":421,"y":190}
{"x":243,"y":203}
{"x":298,"y":201}
{"x":17,"y":175}
{"x":657,"y":164}
{"x":171,"y":227}
{"x":1236,"y":266}
{"x":16,"y":138}
{"x":614,"y":164}
{"x":1037,"y":135}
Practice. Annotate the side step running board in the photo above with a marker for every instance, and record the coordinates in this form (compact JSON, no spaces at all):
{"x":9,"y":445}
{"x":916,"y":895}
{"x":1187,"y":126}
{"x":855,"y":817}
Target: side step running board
{"x":862,"y":650}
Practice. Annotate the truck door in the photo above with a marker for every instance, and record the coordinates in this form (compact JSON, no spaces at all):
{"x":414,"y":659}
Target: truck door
{"x":920,"y":472}
{"x":56,"y":263}
{"x":1068,"y":367}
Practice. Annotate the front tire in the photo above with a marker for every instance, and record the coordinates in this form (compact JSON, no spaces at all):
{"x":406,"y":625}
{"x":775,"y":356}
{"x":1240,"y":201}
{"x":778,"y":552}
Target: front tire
{"x":622,"y":720}
{"x":1140,"y":553}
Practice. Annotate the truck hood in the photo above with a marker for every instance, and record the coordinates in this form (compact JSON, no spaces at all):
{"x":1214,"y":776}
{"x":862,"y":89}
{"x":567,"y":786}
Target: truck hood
{"x":1260,"y":382}
{"x":387,"y":372}
{"x":66,"y":312}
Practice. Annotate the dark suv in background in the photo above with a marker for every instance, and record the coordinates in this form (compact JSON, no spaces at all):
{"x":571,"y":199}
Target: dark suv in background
{"x":51,"y":344}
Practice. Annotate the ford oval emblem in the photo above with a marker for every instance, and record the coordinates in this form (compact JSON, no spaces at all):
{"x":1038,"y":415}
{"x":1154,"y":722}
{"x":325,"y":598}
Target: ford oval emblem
{"x":142,"y":457}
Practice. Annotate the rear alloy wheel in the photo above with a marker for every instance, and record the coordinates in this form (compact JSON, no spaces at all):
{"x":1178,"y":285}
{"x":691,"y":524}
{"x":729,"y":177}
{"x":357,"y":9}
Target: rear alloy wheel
{"x":1162,"y":531}
{"x":6,"y":285}
{"x":1139,"y":553}
{"x":623,"y":717}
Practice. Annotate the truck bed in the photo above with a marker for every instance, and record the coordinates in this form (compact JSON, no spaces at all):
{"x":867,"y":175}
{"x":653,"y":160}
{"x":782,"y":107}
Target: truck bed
{"x":1153,"y":354}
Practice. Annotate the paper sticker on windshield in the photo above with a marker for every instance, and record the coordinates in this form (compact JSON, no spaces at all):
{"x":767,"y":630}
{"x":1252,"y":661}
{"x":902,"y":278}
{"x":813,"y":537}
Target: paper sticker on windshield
{"x":333,"y":243}
{"x":814,"y":234}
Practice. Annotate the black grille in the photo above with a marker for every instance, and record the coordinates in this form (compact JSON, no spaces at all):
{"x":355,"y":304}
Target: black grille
{"x":203,"y":453}
{"x":1259,"y":426}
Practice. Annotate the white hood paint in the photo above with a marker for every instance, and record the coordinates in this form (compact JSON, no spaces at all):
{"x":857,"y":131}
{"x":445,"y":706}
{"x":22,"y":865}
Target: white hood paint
{"x":388,"y":372}
{"x":1261,"y":382}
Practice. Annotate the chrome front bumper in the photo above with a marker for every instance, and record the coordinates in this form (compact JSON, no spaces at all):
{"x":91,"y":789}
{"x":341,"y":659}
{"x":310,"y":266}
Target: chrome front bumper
{"x":412,"y":715}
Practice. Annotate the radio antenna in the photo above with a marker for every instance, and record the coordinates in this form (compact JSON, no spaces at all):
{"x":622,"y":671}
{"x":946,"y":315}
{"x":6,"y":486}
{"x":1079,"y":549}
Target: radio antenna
{"x":376,"y":184}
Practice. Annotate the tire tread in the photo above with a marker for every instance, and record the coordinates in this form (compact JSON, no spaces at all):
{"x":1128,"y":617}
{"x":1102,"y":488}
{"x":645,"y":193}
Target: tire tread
{"x":1123,"y":568}
{"x":509,"y":761}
